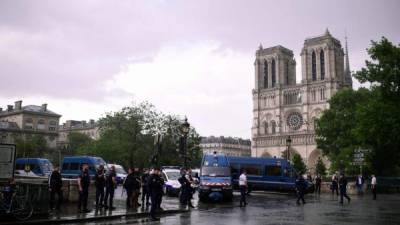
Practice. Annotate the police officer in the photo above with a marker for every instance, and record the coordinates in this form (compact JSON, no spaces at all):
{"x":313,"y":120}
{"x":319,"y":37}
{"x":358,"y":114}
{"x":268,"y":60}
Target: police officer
{"x":83,"y":185}
{"x":300,"y":189}
{"x":111,"y":183}
{"x":343,"y":187}
{"x":186,"y":190}
{"x":155,"y":184}
{"x":243,"y":187}
{"x":334,"y":185}
{"x":100,"y":182}
{"x":145,"y":192}
{"x":318,"y":182}
{"x":55,"y":187}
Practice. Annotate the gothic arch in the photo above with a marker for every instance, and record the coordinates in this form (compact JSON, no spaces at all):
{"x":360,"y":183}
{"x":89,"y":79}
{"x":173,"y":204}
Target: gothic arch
{"x":313,"y":158}
{"x":266,"y":155}
{"x":265,"y":74}
{"x":292,"y":153}
{"x":322,"y":64}
{"x":313,"y":66}
{"x":273,"y":73}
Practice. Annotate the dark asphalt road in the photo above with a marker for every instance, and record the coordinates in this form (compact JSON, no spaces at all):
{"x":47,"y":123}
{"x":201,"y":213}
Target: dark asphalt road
{"x":282,"y":209}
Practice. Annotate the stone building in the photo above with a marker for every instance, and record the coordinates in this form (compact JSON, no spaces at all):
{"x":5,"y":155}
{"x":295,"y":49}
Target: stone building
{"x":226,"y":145}
{"x":283,"y":108}
{"x":25,"y":121}
{"x":89,"y":128}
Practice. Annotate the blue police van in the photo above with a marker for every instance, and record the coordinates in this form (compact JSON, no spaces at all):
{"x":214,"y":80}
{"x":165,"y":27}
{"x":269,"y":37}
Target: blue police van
{"x":39,"y":166}
{"x":71,"y":165}
{"x":215,"y":178}
{"x":272,"y":174}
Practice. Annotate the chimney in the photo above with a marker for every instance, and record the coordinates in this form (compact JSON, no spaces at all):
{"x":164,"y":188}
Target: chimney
{"x":18,"y":105}
{"x":44,"y":107}
{"x":9,"y":108}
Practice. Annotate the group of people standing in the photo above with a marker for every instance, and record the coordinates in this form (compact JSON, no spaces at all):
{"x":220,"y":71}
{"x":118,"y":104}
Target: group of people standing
{"x":150,"y":185}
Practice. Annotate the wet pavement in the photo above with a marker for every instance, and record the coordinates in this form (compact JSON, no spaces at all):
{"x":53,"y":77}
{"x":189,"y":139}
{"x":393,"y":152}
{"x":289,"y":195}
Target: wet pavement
{"x":267,"y":208}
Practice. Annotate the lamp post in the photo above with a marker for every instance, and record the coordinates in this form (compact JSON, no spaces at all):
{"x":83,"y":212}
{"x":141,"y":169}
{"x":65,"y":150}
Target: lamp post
{"x":185,"y":128}
{"x":288,"y":143}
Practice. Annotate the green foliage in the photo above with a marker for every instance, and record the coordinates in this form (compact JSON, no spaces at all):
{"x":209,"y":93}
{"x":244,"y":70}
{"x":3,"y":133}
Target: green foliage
{"x":298,"y":164}
{"x":30,"y":146}
{"x":78,"y":141}
{"x":366,"y":118}
{"x":320,"y":167}
{"x":127,"y":137}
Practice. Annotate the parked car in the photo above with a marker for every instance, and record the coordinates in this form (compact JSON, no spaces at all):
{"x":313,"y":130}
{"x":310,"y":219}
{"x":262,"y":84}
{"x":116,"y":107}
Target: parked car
{"x":71,"y":165}
{"x":172,"y":187}
{"x":120,"y":171}
{"x":39,"y":166}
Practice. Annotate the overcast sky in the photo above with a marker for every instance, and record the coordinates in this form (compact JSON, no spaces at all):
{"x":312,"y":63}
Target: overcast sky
{"x":193,"y":58}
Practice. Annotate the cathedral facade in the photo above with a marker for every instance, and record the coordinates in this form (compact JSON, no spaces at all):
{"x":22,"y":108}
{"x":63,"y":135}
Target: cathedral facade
{"x":284,"y":109}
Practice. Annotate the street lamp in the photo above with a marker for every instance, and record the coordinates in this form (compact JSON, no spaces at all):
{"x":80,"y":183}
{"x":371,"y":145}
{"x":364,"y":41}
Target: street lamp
{"x":184,"y":128}
{"x":288,"y":143}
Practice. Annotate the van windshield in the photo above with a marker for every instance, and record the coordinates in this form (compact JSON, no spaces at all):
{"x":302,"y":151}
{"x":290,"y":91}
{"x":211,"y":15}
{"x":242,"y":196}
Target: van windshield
{"x":216,"y":171}
{"x":120,"y":170}
{"x":46,"y":166}
{"x":215,"y":161}
{"x":173,"y":175}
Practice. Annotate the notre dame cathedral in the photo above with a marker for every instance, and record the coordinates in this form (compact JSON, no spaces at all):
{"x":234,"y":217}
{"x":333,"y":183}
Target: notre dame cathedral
{"x":283,"y":108}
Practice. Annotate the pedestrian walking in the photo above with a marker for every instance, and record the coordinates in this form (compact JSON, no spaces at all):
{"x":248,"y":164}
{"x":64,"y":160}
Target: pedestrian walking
{"x":111,"y":184}
{"x":83,"y":185}
{"x":100,"y":183}
{"x":300,"y":189}
{"x":343,"y":188}
{"x":334,"y":185}
{"x":373,"y":186}
{"x":360,"y":184}
{"x":155,"y":187}
{"x":243,"y":188}
{"x":55,"y":188}
{"x":318,"y":182}
{"x":145,"y":192}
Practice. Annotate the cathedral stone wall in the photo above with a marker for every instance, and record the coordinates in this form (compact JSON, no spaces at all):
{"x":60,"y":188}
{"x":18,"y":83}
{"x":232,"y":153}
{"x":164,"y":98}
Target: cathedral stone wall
{"x":282,"y":108}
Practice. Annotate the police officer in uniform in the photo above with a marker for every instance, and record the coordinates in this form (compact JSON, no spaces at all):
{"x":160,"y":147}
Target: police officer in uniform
{"x":155,"y":184}
{"x":343,"y":187}
{"x":55,"y":187}
{"x":100,"y":182}
{"x":145,"y":192}
{"x":111,"y":183}
{"x":83,"y":185}
{"x":300,"y":189}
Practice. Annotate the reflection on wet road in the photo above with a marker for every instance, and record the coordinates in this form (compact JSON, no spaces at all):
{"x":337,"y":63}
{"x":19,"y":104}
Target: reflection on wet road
{"x":282,"y":209}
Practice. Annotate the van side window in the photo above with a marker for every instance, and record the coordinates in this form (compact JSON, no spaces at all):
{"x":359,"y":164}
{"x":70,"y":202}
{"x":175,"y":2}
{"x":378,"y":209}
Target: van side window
{"x":74,"y":166}
{"x":273,"y":170}
{"x":252,"y":170}
{"x":65,"y":166}
{"x":235,"y":169}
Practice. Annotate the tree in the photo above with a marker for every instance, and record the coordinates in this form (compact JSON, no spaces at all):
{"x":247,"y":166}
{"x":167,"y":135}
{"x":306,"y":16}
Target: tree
{"x":379,"y":121}
{"x":366,"y":118}
{"x":31,"y":146}
{"x":298,"y":164}
{"x":78,"y":142}
{"x":320,"y":167}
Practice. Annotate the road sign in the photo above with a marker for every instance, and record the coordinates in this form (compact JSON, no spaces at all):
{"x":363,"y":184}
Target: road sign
{"x":7,"y":160}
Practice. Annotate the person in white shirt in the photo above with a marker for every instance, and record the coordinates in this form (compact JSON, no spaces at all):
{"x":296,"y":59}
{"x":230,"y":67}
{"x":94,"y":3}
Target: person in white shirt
{"x":373,"y":186}
{"x":243,"y":188}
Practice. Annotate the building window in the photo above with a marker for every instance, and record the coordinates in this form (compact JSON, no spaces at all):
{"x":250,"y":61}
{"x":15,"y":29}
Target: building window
{"x":287,"y":72}
{"x":265,"y":74}
{"x":52,"y":125}
{"x":273,"y":127}
{"x":273,"y":73}
{"x":265,"y":127}
{"x":313,"y":67}
{"x":313,"y":96}
{"x":322,"y":60}
{"x":28,"y":124}
{"x":273,"y":171}
{"x":322,"y":93}
{"x":41,"y":124}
